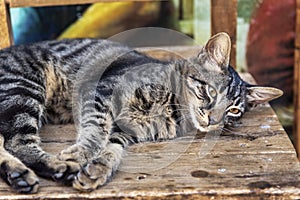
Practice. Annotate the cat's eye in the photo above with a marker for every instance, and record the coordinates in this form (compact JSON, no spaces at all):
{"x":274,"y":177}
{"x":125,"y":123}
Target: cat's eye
{"x":234,"y":110}
{"x":212,"y":92}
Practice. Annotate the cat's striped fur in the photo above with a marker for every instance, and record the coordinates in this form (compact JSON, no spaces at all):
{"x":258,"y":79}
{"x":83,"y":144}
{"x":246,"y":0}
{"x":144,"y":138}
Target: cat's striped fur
{"x":119,"y":97}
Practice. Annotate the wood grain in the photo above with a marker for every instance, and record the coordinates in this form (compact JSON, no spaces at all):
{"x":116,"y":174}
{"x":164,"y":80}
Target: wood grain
{"x":224,"y":19}
{"x":5,"y":27}
{"x":296,"y":88}
{"x":296,"y":129}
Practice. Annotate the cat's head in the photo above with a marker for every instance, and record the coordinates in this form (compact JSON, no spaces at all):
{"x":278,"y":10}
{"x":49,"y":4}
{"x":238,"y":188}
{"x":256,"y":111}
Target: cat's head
{"x":215,"y":93}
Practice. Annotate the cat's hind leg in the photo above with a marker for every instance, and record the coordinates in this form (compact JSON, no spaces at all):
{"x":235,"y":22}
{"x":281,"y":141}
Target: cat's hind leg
{"x":25,"y":145}
{"x":20,"y":121}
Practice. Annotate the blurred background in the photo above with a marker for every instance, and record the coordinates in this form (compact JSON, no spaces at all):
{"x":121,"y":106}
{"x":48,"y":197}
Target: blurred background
{"x":265,"y":32}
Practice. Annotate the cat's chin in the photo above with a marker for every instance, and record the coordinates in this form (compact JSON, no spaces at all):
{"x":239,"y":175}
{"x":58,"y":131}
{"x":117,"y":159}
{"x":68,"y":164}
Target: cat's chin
{"x":209,"y":128}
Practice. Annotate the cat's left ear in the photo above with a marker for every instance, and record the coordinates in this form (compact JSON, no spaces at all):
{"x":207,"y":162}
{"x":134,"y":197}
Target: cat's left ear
{"x":257,"y":95}
{"x":218,"y":48}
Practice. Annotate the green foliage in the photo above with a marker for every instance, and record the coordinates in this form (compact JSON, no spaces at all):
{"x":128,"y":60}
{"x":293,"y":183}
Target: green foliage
{"x":246,"y":8}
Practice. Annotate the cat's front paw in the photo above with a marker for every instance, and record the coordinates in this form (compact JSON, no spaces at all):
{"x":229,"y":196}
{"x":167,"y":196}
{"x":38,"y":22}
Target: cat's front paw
{"x":19,"y":177}
{"x":65,"y":172}
{"x":92,"y":176}
{"x":74,"y":153}
{"x":58,"y":170}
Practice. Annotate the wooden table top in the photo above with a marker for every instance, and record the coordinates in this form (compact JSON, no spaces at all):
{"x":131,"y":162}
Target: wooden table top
{"x":254,"y":160}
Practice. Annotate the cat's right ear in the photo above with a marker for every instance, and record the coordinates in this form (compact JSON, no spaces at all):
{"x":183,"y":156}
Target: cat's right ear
{"x":218,"y":49}
{"x":258,"y":94}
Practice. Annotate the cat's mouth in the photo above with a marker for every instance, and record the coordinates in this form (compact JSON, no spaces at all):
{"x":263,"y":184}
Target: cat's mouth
{"x":210,"y":128}
{"x":203,"y":123}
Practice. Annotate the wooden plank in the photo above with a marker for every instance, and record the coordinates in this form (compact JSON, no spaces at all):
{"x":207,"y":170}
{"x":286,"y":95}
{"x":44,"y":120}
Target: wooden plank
{"x":224,"y":18}
{"x":296,"y":88}
{"x":297,"y":36}
{"x":5,"y":26}
{"x":37,"y":3}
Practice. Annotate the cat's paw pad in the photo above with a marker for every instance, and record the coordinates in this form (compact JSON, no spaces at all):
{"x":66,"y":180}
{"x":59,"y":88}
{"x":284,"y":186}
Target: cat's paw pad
{"x":92,"y":176}
{"x":64,"y":171}
{"x":20,"y":178}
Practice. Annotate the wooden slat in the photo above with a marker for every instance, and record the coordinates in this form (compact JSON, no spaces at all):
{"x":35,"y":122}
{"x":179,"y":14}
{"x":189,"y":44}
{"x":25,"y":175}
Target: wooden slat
{"x":296,"y":89}
{"x":297,"y":36}
{"x":33,"y":3}
{"x":224,"y":18}
{"x":5,"y":27}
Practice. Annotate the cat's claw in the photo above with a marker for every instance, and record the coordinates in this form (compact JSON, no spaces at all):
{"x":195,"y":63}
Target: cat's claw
{"x":91,"y":177}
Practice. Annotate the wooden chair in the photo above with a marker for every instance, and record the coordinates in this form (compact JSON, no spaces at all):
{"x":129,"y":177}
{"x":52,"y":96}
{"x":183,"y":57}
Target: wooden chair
{"x":235,"y":168}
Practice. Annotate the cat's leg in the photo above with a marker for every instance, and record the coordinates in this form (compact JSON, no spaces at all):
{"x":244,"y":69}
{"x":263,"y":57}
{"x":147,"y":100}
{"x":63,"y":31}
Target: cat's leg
{"x":20,"y":122}
{"x":101,"y":168}
{"x":27,"y":149}
{"x":97,"y":168}
{"x":98,"y":156}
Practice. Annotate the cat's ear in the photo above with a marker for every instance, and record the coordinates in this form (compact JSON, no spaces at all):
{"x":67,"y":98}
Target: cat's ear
{"x":218,"y":48}
{"x":257,"y":94}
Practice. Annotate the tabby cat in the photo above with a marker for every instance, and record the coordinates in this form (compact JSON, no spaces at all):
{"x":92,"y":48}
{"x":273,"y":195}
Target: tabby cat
{"x":119,"y":97}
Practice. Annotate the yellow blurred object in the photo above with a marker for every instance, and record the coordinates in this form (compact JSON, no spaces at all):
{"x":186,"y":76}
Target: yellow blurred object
{"x":102,"y":20}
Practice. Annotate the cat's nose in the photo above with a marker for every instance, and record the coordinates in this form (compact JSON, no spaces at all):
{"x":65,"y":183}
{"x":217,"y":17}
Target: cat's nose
{"x":212,"y":121}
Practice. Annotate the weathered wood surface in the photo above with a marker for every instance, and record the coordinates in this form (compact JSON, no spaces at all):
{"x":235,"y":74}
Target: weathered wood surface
{"x":5,"y":27}
{"x":255,"y":160}
{"x":224,"y":18}
{"x":296,"y":89}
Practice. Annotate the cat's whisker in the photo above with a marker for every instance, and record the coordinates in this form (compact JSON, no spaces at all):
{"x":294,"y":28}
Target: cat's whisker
{"x":183,"y":117}
{"x":179,"y":105}
{"x":182,"y":109}
{"x":226,"y":129}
